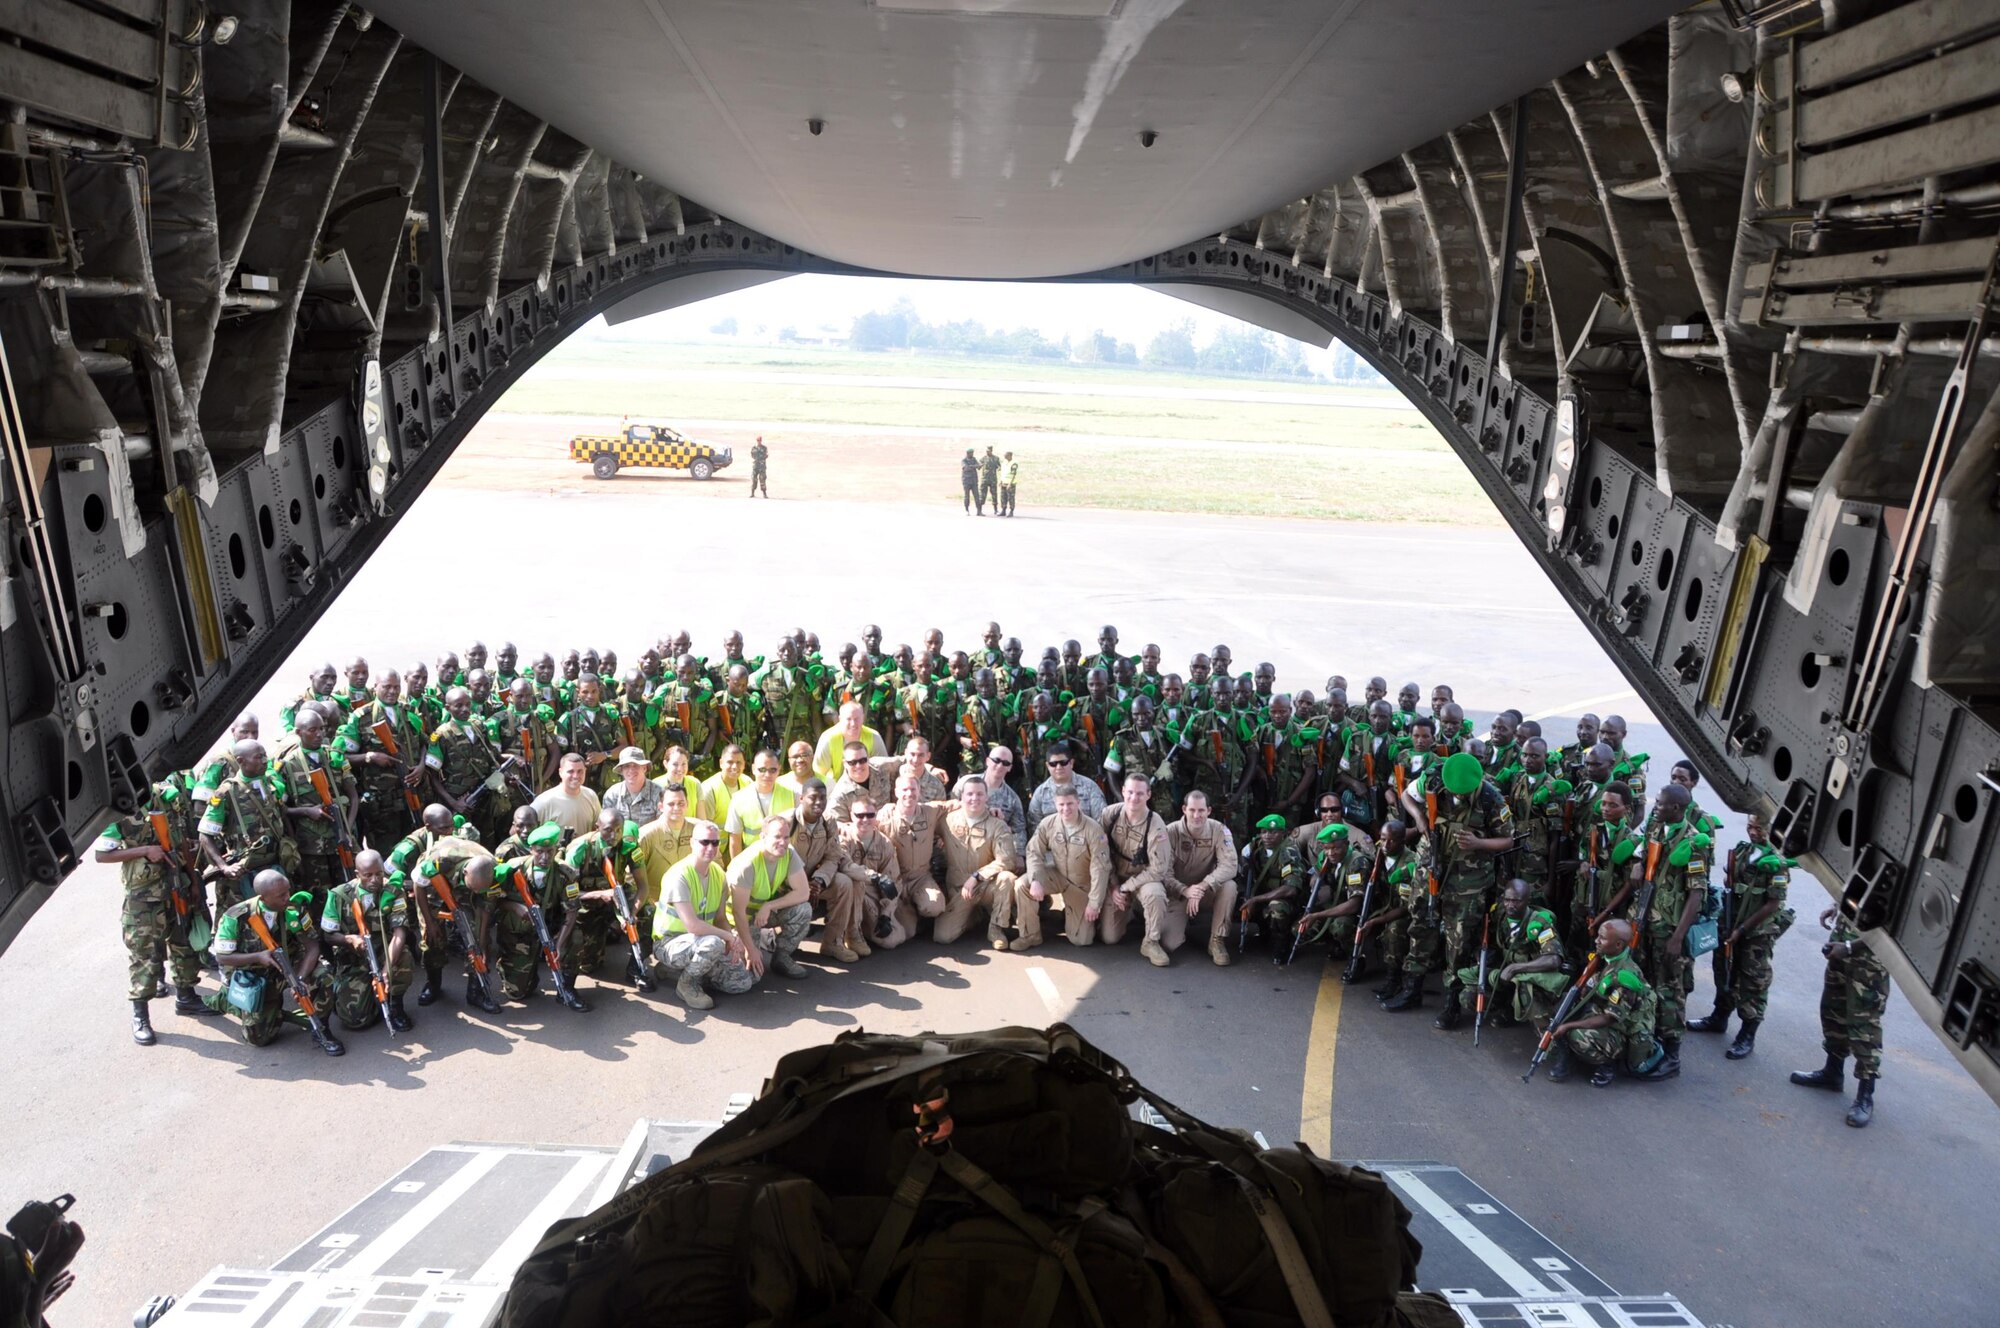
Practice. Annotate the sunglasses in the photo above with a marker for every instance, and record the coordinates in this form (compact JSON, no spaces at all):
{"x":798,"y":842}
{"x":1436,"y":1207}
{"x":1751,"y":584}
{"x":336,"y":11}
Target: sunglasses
{"x":997,"y":760}
{"x":1057,"y":763}
{"x":864,"y":816}
{"x":1328,"y":811}
{"x":708,"y":843}
{"x":856,"y":760}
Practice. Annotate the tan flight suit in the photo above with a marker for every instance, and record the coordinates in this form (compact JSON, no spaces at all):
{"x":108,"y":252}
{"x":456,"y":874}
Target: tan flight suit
{"x":1204,"y":866}
{"x":1140,"y":864}
{"x":872,"y":856}
{"x":917,"y":894}
{"x":986,"y":849}
{"x":836,"y":886}
{"x":1072,"y":864}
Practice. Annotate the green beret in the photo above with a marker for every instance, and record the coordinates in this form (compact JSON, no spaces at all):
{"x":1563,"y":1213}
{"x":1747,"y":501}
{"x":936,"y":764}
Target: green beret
{"x":546,"y":835}
{"x":1327,"y":832}
{"x":1462,"y":773}
{"x":1272,"y":822}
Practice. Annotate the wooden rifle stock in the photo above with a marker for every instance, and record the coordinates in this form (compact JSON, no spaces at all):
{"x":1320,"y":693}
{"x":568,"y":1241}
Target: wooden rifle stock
{"x":385,"y":733}
{"x":343,"y":841}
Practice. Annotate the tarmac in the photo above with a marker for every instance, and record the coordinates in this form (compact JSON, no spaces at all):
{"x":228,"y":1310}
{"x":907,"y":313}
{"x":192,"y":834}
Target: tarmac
{"x":1746,"y":1197}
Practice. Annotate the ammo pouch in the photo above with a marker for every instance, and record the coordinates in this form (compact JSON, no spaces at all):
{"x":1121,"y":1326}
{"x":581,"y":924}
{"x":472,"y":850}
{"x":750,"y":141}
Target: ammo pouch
{"x":244,"y":992}
{"x":994,"y":1178}
{"x":288,"y":855}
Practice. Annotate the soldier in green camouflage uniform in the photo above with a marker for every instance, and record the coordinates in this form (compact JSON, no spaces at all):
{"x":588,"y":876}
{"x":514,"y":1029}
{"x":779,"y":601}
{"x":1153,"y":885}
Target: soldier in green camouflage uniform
{"x":739,"y":709}
{"x":465,"y":768}
{"x":387,"y":782}
{"x":929,"y":706}
{"x":1140,"y":748}
{"x":463,"y":870}
{"x":1366,"y":766}
{"x":253,"y":988}
{"x":1677,"y":858}
{"x":319,"y":828}
{"x":244,"y":829}
{"x":549,"y":881}
{"x":592,"y":912}
{"x":1215,"y":752}
{"x":791,"y":701}
{"x":148,"y":920}
{"x":386,"y":909}
{"x":1613,"y":1023}
{"x":1281,"y":773}
{"x":1537,"y":796}
{"x":1342,"y":864}
{"x":526,"y":731}
{"x":1760,"y":879}
{"x":1274,"y":880}
{"x":1400,"y":892}
{"x":1467,"y":827}
{"x":1851,"y":1002}
{"x":593,"y":732}
{"x":686,"y":708}
{"x":1525,"y":974}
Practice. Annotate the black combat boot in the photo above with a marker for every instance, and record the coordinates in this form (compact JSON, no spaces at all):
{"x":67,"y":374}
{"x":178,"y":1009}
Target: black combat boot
{"x":1716,"y":1020}
{"x":1559,"y":1061}
{"x":1746,"y":1040}
{"x":142,"y":1024}
{"x":433,"y":986}
{"x":328,"y":1043}
{"x":1410,"y":996}
{"x":1832,"y":1076}
{"x":1392,"y":982}
{"x":1863,"y":1109}
{"x":188,"y":1001}
{"x":475,"y":996}
{"x":1672,"y":1048}
{"x":1449,"y":1017}
{"x":399,"y":1018}
{"x":571,"y":1001}
{"x":1355,"y":971}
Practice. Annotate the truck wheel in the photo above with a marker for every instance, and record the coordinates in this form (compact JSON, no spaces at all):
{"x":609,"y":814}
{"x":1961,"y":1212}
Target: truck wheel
{"x":702,"y":469}
{"x":605,"y":466}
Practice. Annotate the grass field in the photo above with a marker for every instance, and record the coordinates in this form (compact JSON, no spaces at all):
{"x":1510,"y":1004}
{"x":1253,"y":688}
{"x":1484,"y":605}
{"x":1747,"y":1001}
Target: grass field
{"x":1087,"y":436}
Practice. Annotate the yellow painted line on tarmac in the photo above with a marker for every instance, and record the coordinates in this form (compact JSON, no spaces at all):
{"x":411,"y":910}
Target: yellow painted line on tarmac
{"x":1316,"y":1103}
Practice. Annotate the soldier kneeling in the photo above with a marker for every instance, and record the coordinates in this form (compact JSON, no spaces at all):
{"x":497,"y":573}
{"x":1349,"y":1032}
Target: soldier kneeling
{"x":1613,"y":1023}
{"x":257,"y":942}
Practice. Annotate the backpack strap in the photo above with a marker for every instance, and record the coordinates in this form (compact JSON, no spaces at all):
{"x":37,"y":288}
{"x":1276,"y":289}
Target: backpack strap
{"x":896,"y":1222}
{"x":1058,"y":1255}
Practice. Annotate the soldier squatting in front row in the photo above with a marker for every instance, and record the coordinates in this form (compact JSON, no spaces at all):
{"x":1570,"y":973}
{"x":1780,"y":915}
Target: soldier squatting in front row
{"x":353,"y":861}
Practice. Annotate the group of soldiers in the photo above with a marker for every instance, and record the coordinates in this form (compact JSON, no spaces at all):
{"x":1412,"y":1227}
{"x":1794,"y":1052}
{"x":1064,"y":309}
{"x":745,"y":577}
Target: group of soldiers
{"x":708,"y":813}
{"x":989,"y":479}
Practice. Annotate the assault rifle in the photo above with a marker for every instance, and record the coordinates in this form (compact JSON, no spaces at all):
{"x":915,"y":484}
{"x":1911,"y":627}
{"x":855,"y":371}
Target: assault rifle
{"x":385,"y":733}
{"x":463,"y":926}
{"x":1568,"y":1003}
{"x":343,"y":838}
{"x":1312,"y":897}
{"x":376,"y":977}
{"x":321,"y":1034}
{"x":1725,"y":923}
{"x":542,"y":937}
{"x":180,"y":872}
{"x":629,"y":920}
{"x":1354,"y":960}
{"x":1485,"y":955}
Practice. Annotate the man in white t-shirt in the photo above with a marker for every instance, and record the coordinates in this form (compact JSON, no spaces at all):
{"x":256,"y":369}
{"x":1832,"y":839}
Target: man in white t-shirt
{"x":569,"y":804}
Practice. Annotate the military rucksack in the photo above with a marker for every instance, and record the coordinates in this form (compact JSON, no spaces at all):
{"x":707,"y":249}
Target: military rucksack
{"x":991,"y":1178}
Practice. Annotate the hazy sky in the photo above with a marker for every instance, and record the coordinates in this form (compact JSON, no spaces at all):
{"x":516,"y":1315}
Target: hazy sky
{"x":822,"y":303}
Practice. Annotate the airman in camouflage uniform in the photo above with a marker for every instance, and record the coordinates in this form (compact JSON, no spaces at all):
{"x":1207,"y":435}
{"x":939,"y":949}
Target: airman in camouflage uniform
{"x":349,"y":980}
{"x":1851,"y":1002}
{"x":693,"y":942}
{"x":148,"y":920}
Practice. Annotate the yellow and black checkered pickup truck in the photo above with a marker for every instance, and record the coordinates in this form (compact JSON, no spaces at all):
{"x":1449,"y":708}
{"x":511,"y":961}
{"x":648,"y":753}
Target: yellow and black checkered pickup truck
{"x":653,"y":446}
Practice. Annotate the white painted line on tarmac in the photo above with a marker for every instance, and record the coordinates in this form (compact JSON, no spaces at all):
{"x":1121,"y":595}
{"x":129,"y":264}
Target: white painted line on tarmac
{"x":501,"y":1266}
{"x":1503,"y":1264}
{"x":1045,"y":987}
{"x":400,"y":1232}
